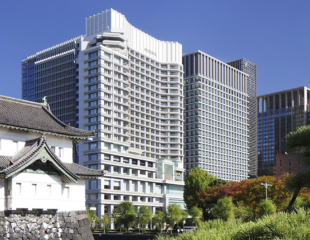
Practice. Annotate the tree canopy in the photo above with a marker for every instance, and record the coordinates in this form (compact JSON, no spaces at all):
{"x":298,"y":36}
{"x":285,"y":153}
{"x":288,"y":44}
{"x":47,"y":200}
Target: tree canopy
{"x":196,"y":214}
{"x":224,"y":209}
{"x":144,"y":215}
{"x":299,"y":140}
{"x":174,"y":214}
{"x":127,"y":214}
{"x":195,"y":181}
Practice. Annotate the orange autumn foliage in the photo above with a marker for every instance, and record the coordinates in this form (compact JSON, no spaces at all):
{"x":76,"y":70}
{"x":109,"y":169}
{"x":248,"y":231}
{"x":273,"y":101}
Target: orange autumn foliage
{"x":250,"y":192}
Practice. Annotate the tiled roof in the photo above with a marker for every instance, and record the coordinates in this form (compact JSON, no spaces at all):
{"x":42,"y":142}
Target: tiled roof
{"x":5,"y":161}
{"x":37,"y":117}
{"x":83,"y":171}
{"x":32,"y":147}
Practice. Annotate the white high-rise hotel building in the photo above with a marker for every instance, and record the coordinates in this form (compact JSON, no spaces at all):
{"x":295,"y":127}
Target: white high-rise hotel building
{"x":130,"y":91}
{"x":128,"y":87}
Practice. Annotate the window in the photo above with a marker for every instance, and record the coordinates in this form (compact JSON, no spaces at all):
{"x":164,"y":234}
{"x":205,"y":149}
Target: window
{"x":92,"y":146}
{"x":92,"y":103}
{"x":150,"y":164}
{"x":66,"y":192}
{"x":92,"y":55}
{"x":116,"y":169}
{"x":93,"y":111}
{"x":93,"y":119}
{"x":95,"y":167}
{"x":134,"y":161}
{"x":106,"y":167}
{"x":116,"y":159}
{"x":18,"y":188}
{"x":60,"y":153}
{"x":106,"y":196}
{"x":107,"y":157}
{"x":53,"y":149}
{"x":93,"y":184}
{"x":93,"y":79}
{"x":142,"y":172}
{"x":92,"y":157}
{"x":93,"y":87}
{"x":92,"y":127}
{"x":117,"y":185}
{"x":149,"y":174}
{"x":93,"y":95}
{"x":125,"y":160}
{"x":107,"y":184}
{"x":126,"y":171}
{"x":93,"y":71}
{"x":142,"y":163}
{"x":106,"y":54}
{"x":289,"y":162}
{"x":93,"y":63}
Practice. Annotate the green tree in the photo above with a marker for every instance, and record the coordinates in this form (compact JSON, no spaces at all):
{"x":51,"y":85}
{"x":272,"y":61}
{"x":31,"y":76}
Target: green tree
{"x":196,"y":214}
{"x":195,"y":181}
{"x":242,"y":212}
{"x":127,"y":214}
{"x":144,"y":215}
{"x":105,"y":220}
{"x":116,"y":218}
{"x":174,"y":215}
{"x":224,"y":209}
{"x":299,"y":140}
{"x":159,"y":217}
{"x":266,"y":207}
{"x":92,"y":217}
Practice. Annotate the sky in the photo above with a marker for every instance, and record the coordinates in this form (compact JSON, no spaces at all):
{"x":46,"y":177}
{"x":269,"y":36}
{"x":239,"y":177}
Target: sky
{"x":274,"y":34}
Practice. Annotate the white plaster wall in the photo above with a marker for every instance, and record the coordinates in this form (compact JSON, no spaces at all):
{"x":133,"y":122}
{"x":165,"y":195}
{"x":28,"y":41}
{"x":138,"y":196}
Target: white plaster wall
{"x":2,"y":193}
{"x":31,"y":191}
{"x":8,"y":148}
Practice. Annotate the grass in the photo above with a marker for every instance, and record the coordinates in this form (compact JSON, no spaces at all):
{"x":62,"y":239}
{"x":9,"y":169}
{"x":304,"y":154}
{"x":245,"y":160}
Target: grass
{"x":277,"y":226}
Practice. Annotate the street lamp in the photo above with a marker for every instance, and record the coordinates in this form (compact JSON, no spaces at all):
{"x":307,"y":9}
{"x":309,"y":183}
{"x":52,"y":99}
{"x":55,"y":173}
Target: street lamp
{"x":266,"y":187}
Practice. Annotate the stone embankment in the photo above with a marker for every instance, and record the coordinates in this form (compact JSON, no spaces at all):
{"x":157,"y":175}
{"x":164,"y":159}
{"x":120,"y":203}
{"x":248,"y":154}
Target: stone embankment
{"x":24,"y":224}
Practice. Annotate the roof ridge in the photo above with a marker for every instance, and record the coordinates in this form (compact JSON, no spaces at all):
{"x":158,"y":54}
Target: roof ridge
{"x":22,"y":101}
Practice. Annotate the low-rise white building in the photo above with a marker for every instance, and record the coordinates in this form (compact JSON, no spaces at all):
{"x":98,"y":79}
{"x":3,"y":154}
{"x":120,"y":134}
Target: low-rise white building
{"x":36,"y":165}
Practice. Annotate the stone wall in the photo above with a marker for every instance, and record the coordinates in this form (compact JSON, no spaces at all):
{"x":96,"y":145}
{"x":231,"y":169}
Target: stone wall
{"x":43,"y":225}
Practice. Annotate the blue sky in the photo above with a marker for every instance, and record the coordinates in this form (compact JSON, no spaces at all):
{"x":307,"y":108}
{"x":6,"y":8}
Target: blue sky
{"x":274,"y":34}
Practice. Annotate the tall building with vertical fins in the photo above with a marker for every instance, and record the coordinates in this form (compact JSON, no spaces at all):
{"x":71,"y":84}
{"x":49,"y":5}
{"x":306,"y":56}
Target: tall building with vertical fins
{"x":249,"y":68}
{"x":216,"y":117}
{"x":128,"y":87}
{"x":279,"y":113}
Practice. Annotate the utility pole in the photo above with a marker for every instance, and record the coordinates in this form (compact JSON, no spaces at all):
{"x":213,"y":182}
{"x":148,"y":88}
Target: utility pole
{"x":266,"y":187}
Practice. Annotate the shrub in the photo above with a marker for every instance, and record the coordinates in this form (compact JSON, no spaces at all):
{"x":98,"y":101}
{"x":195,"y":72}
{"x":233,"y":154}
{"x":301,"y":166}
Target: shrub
{"x":224,"y":209}
{"x":276,"y":226}
{"x":266,"y":208}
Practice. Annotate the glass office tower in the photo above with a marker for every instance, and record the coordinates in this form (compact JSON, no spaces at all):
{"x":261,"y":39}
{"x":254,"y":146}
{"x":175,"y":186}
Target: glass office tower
{"x":52,"y":73}
{"x":216,"y":117}
{"x":249,"y":68}
{"x":279,"y":113}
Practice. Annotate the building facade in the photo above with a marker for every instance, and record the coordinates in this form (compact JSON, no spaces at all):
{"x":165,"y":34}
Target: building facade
{"x":52,"y":73}
{"x":128,"y":87}
{"x":279,"y":114}
{"x":216,"y":117}
{"x":288,"y":163}
{"x":249,"y":68}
